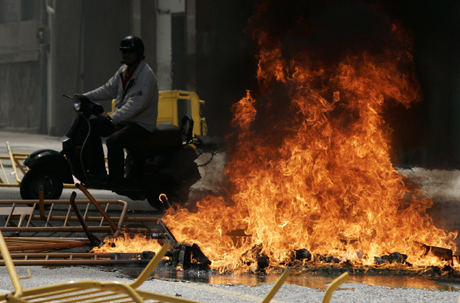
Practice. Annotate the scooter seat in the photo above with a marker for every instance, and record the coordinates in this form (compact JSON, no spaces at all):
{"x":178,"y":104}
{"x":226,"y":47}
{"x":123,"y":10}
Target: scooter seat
{"x":165,"y":136}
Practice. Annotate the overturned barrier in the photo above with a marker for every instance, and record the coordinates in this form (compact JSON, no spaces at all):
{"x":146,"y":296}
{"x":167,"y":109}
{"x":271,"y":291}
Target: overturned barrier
{"x":11,"y":168}
{"x":58,"y":216}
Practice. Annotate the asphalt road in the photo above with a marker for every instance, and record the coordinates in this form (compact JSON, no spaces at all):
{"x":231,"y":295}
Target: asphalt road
{"x":211,"y":287}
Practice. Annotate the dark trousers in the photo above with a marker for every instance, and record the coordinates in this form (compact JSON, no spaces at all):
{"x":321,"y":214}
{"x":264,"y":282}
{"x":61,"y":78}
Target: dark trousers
{"x":126,"y":137}
{"x":119,"y":138}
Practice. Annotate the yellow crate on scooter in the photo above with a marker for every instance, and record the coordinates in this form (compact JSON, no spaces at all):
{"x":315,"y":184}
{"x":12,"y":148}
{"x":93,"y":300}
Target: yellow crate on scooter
{"x":174,"y":104}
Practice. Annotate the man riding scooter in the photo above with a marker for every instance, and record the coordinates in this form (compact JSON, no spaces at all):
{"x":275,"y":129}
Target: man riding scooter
{"x":135,"y":88}
{"x":160,"y":158}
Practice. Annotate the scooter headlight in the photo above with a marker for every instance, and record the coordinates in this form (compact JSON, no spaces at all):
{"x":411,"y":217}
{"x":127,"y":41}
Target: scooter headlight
{"x":77,"y":105}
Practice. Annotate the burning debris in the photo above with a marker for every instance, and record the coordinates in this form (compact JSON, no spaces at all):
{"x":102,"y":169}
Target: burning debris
{"x":391,"y":258}
{"x":181,"y":255}
{"x":185,"y":256}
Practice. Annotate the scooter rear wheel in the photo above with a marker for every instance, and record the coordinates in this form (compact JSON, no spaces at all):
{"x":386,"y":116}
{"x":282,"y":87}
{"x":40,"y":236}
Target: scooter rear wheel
{"x":30,"y":185}
{"x":173,"y":196}
{"x":154,"y":200}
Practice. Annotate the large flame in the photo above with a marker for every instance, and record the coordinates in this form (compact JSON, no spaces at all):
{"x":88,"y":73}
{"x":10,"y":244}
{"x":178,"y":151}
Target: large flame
{"x":310,"y":162}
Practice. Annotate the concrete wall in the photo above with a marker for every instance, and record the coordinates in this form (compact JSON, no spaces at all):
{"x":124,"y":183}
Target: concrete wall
{"x":19,"y":70}
{"x":19,"y":106}
{"x":19,"y":42}
{"x":65,"y":60}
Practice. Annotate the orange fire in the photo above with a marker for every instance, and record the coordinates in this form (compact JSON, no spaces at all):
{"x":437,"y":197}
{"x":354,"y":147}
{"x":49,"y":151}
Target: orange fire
{"x":309,"y":165}
{"x":128,"y":243}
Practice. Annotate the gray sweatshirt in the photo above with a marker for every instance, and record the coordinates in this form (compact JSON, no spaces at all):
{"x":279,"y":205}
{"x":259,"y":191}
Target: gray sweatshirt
{"x":138,"y":103}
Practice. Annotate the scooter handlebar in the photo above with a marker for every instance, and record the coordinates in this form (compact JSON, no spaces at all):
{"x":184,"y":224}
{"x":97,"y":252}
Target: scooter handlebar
{"x":86,"y":105}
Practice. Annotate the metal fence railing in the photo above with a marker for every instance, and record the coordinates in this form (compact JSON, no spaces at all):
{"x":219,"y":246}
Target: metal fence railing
{"x":12,"y":169}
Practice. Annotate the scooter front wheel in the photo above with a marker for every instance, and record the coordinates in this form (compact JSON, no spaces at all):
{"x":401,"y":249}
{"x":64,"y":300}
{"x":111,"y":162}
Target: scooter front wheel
{"x":33,"y":179}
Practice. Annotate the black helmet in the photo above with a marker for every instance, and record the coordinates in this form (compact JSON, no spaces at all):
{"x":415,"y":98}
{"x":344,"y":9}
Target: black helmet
{"x":132,"y":43}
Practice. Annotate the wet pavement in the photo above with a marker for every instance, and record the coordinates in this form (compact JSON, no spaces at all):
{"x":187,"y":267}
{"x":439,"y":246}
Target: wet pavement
{"x":205,"y":292}
{"x":212,"y":287}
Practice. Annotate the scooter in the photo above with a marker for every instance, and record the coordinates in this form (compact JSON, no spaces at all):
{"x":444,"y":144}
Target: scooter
{"x":162,"y":163}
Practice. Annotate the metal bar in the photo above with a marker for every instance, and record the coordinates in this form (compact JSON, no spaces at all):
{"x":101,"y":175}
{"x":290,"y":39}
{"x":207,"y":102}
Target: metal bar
{"x":98,"y":207}
{"x":94,"y":256}
{"x":49,"y":215}
{"x":41,"y":201}
{"x":152,"y":264}
{"x":47,"y":246}
{"x":86,"y":211}
{"x":13,"y":162}
{"x":277,"y":286}
{"x":168,"y":234}
{"x":97,"y":219}
{"x":121,"y":219}
{"x":41,"y":239}
{"x":334,"y":285}
{"x":16,"y":159}
{"x":4,"y":173}
{"x":94,"y":229}
{"x":7,"y":221}
{"x":164,"y":199}
{"x":105,"y":210}
{"x":69,"y":262}
{"x":29,"y":220}
{"x":8,"y":261}
{"x":53,"y":222}
{"x":72,"y":218}
{"x":74,"y":258}
{"x":93,"y":240}
{"x":67,"y":216}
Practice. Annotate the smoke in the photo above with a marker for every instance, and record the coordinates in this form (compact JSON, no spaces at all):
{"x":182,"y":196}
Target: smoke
{"x":325,"y":30}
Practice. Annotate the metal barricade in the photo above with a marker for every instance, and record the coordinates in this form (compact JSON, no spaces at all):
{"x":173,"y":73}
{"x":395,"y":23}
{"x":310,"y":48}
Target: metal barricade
{"x":12,"y":168}
{"x":58,"y":216}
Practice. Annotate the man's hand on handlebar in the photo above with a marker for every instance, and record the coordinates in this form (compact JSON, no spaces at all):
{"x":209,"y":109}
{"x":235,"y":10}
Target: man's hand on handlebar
{"x":105,"y":116}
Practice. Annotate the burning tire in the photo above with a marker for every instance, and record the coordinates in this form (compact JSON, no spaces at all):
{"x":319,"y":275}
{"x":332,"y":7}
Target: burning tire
{"x":33,"y":179}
